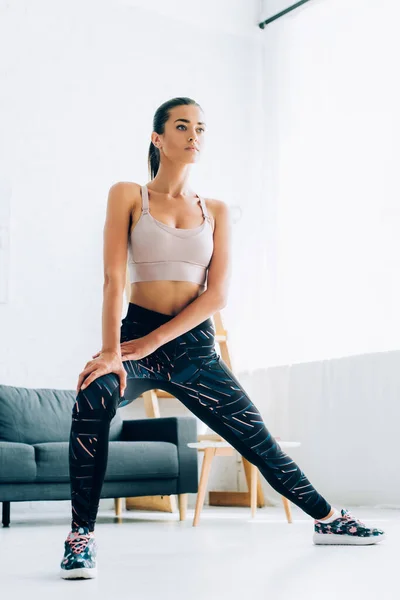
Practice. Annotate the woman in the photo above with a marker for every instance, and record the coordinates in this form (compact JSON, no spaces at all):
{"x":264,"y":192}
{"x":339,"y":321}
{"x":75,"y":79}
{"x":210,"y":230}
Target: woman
{"x":178,"y":249}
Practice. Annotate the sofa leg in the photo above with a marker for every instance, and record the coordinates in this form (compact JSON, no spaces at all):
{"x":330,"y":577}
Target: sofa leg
{"x":182,"y":501}
{"x":6,"y":514}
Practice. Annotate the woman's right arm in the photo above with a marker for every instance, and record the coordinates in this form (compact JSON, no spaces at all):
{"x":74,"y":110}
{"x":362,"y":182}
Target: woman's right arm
{"x":121,"y":200}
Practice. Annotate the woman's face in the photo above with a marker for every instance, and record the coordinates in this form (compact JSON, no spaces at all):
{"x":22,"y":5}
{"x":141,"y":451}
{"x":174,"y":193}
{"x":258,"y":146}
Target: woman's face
{"x":185,"y":128}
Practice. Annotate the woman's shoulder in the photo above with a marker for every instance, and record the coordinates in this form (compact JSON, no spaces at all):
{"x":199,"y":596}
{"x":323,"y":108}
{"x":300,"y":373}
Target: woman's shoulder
{"x":126,"y":186}
{"x":214,"y":204}
{"x":130,"y":191}
{"x":217,"y":209}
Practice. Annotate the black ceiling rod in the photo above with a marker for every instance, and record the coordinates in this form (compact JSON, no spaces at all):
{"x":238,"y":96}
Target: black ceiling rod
{"x":284,"y":12}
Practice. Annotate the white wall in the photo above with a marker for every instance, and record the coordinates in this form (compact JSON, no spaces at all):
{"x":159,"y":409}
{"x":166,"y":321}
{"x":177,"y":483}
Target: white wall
{"x":333,"y":129}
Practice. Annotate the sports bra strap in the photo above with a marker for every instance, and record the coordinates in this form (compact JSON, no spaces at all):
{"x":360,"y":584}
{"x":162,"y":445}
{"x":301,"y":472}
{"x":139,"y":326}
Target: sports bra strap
{"x":204,"y":208}
{"x":145,"y":199}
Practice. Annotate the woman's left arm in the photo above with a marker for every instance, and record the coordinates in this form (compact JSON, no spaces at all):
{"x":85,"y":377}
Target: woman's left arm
{"x":216,"y":294}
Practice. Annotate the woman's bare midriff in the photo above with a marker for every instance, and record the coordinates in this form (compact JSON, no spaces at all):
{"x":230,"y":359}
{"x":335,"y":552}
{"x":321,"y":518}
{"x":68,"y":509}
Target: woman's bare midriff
{"x":167,"y":297}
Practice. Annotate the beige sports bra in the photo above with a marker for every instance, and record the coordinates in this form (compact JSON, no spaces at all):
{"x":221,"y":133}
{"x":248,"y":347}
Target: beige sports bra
{"x":157,"y":251}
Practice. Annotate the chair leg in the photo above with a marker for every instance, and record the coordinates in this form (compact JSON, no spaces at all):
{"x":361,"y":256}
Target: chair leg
{"x":209,"y":454}
{"x":286,"y":506}
{"x":6,"y":514}
{"x":118,"y":506}
{"x":253,"y":489}
{"x":183,"y":502}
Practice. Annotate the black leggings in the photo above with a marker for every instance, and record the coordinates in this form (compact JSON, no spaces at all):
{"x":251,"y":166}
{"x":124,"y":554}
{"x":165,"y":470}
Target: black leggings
{"x":189,"y":368}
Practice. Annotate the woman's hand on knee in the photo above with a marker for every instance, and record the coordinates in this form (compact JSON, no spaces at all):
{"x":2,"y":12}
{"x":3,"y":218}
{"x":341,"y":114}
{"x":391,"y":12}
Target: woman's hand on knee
{"x":106,"y":362}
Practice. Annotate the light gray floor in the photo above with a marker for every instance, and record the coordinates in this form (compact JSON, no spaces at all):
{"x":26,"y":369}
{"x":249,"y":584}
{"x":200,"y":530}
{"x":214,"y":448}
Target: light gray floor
{"x":228,"y":556}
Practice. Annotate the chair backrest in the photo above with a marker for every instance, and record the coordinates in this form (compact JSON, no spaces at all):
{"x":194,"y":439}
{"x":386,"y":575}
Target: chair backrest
{"x":33,"y":416}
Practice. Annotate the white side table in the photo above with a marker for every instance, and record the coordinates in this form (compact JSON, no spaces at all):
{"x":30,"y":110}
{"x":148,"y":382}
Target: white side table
{"x":213,"y":448}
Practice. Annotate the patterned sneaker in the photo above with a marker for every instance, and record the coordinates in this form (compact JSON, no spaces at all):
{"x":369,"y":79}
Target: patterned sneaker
{"x":79,"y":560}
{"x":346,"y":530}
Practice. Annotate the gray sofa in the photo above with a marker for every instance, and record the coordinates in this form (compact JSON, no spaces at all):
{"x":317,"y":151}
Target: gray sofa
{"x":146,"y":456}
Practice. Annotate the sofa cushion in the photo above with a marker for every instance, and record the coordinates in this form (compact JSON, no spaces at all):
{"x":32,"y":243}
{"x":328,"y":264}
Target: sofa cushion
{"x":32,"y":416}
{"x":17,"y":463}
{"x":126,"y":461}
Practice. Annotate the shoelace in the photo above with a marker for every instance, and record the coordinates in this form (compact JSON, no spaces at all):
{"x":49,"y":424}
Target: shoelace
{"x":351,"y":520}
{"x":79,"y":542}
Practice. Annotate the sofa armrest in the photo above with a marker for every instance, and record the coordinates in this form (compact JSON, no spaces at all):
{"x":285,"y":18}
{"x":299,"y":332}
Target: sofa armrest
{"x":178,"y":431}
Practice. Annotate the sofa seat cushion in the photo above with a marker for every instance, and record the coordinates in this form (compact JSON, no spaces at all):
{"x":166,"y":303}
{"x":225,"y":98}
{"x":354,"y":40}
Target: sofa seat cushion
{"x":17,"y":463}
{"x":126,"y":461}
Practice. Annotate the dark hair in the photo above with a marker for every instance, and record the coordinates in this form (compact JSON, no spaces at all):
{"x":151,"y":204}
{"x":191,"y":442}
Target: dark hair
{"x":160,"y":118}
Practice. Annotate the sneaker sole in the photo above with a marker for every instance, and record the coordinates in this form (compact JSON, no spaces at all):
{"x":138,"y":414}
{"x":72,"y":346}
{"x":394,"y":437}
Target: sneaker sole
{"x":82,"y":573}
{"x":346,"y":540}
